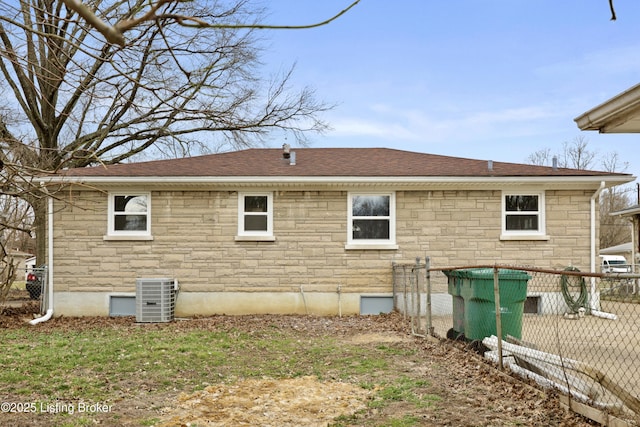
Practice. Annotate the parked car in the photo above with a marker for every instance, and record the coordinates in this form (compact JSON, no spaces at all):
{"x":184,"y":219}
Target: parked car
{"x":34,"y":282}
{"x":614,"y":264}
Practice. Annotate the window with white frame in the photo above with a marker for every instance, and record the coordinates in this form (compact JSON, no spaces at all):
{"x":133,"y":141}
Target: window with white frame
{"x":255,"y":214}
{"x":371,"y":219}
{"x":523,"y":214}
{"x":129,"y":214}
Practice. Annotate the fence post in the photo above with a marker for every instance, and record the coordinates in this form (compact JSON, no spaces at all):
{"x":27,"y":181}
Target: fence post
{"x":496,"y":294}
{"x":427,"y":266}
{"x":404,"y":283}
{"x":416,"y":275}
{"x":394,"y":285}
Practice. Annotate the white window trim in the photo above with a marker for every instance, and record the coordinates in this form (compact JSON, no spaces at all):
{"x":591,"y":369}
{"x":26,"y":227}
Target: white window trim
{"x":372,"y":244}
{"x":264,"y":236}
{"x":112,"y":233}
{"x":539,"y":234}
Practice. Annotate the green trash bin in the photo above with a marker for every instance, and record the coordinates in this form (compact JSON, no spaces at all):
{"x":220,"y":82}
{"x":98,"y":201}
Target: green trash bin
{"x":455,"y":286}
{"x":473,"y":289}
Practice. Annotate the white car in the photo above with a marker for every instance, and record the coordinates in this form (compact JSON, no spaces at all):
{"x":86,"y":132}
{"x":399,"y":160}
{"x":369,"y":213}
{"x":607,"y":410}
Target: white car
{"x":614,"y":264}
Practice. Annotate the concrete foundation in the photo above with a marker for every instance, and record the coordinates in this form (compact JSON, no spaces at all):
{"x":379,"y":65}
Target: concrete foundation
{"x":190,"y":304}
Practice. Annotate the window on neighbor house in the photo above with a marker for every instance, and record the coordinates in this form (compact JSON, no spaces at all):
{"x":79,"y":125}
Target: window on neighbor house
{"x":255,"y":214}
{"x":371,"y":219}
{"x":129,"y":214}
{"x":523,"y":214}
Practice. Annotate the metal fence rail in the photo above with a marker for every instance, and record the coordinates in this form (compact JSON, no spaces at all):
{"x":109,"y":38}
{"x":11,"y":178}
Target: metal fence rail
{"x":576,"y":332}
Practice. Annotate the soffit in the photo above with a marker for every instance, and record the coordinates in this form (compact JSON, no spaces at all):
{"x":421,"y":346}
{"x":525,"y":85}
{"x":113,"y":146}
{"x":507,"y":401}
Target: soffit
{"x":346,"y":183}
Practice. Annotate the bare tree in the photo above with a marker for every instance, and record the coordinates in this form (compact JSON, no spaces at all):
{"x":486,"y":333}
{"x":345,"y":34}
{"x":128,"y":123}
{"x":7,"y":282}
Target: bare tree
{"x":542,"y":157}
{"x":74,"y":99}
{"x":16,"y":219}
{"x":614,"y":230}
{"x":577,"y":155}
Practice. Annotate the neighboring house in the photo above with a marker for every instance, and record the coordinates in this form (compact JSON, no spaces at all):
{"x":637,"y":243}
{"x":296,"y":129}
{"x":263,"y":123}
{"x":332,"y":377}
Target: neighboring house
{"x":311,"y":231}
{"x":623,"y":249}
{"x":19,"y":263}
{"x":620,"y":114}
{"x":633,"y":214}
{"x":30,"y":263}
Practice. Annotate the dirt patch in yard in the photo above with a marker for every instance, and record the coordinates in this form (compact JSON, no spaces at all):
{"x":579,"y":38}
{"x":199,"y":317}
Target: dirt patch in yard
{"x":378,"y":338}
{"x":290,"y":402}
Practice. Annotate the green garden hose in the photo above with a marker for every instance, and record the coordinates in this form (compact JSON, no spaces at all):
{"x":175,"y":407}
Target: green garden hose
{"x":581,"y":301}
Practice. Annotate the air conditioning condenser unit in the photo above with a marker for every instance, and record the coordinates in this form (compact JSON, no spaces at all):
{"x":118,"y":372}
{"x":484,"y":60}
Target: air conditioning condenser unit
{"x":155,"y":300}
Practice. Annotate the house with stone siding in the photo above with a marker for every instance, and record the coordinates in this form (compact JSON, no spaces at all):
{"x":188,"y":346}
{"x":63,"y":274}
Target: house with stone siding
{"x":310,"y":230}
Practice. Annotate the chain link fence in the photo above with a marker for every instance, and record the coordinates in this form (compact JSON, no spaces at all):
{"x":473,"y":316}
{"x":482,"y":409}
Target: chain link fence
{"x":411,"y":295}
{"x":37,"y":286}
{"x":575,"y":332}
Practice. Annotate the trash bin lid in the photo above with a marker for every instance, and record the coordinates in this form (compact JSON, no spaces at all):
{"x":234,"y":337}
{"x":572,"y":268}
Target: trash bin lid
{"x":487,"y":273}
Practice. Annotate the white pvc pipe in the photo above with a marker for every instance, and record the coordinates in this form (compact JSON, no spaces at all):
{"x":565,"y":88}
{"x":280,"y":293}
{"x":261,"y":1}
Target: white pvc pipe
{"x":604,"y":315}
{"x":526,"y":352}
{"x":49,"y":312}
{"x":44,"y":318}
{"x":541,"y":380}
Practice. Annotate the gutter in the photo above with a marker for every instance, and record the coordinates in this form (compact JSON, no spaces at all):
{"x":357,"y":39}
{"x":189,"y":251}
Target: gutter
{"x":563,"y":180}
{"x":593,"y":243}
{"x":615,"y":109}
{"x":49,"y":312}
{"x":340,"y":183}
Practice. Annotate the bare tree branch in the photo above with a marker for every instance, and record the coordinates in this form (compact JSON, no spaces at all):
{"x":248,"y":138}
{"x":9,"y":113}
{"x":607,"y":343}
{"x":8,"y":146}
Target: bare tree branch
{"x":109,"y":32}
{"x":115,"y":34}
{"x":613,"y":12}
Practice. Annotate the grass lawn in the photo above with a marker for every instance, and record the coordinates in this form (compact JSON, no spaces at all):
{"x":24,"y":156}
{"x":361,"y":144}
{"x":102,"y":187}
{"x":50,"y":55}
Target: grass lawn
{"x":78,"y":372}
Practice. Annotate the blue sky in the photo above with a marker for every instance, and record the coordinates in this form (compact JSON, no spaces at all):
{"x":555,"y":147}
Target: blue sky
{"x":486,"y":79}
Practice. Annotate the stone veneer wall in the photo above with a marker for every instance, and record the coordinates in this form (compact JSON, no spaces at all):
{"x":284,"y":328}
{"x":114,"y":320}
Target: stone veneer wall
{"x":194,"y":241}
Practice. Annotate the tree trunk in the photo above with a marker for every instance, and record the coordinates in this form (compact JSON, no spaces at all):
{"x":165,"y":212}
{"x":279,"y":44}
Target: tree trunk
{"x":40,"y":225}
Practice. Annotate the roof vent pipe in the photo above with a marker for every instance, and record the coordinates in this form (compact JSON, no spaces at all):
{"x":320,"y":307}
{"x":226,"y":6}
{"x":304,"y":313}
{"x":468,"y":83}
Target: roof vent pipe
{"x":490,"y":165}
{"x":292,"y":160}
{"x":555,"y":163}
{"x":285,"y":151}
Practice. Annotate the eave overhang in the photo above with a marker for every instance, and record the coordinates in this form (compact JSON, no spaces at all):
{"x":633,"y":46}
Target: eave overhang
{"x":630,"y":211}
{"x":340,"y":182}
{"x":620,"y":114}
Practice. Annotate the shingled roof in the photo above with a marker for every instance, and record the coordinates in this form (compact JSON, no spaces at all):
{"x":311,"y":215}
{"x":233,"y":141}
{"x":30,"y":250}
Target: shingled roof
{"x":328,"y":162}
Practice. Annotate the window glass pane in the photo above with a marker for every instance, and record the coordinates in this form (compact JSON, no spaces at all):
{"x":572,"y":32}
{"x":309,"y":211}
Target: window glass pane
{"x":255,"y":223}
{"x":521,"y":203}
{"x":371,"y":229}
{"x":255,"y":203}
{"x":370,"y":205}
{"x":522,"y":222}
{"x":130,"y":203}
{"x":130,"y":223}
